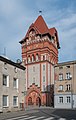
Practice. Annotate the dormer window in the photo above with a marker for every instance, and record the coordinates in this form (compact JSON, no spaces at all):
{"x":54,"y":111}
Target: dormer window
{"x":32,"y":34}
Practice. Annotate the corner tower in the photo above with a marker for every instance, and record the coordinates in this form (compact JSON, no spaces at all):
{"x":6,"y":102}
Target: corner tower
{"x":40,"y":54}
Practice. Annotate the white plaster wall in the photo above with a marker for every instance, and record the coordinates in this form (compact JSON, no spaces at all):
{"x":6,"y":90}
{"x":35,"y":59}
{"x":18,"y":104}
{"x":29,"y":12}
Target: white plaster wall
{"x":64,"y":104}
{"x":10,"y":91}
{"x":34,"y":74}
{"x":74,"y":101}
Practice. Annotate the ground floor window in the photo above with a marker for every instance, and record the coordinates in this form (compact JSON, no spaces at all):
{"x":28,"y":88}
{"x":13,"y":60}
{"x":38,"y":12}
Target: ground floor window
{"x":15,"y":100}
{"x":5,"y":100}
{"x":60,"y":99}
{"x":68,"y":99}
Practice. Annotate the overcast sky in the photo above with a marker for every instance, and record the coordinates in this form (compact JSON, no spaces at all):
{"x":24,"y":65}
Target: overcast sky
{"x":17,"y":15}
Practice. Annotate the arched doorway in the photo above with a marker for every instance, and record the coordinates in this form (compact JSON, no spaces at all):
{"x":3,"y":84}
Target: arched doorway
{"x":29,"y":101}
{"x":38,"y":101}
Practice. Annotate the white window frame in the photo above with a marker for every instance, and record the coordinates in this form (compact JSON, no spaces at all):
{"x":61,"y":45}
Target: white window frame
{"x":61,"y":99}
{"x":68,"y":87}
{"x":68,"y":75}
{"x":7,"y":80}
{"x":60,"y":87}
{"x":68,"y":99}
{"x":7,"y":101}
{"x":60,"y":76}
{"x":15,"y":105}
{"x":15,"y":80}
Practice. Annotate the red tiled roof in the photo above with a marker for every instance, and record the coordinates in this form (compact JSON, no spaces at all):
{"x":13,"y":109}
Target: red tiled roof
{"x":52,"y":31}
{"x":41,"y":28}
{"x":41,"y":25}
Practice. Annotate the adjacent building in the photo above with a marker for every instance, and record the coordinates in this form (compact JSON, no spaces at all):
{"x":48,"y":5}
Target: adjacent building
{"x":39,"y":55}
{"x":65,"y":85}
{"x":12,"y":85}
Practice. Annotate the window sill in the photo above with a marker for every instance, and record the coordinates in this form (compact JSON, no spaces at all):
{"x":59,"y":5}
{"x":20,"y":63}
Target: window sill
{"x":60,"y":91}
{"x":5,"y":106}
{"x":15,"y":106}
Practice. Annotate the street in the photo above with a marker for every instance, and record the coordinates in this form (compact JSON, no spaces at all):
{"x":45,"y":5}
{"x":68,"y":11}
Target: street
{"x":40,"y":114}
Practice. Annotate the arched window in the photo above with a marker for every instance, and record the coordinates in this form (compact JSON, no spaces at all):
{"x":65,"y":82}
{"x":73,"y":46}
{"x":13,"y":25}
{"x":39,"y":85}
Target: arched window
{"x":43,"y":57}
{"x":37,"y":57}
{"x":33,"y":58}
{"x":29,"y":60}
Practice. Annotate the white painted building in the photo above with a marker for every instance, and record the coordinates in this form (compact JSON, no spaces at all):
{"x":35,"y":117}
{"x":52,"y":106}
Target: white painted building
{"x":12,"y":85}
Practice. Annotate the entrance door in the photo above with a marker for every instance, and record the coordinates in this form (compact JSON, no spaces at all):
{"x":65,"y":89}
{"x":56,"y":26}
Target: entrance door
{"x":29,"y":101}
{"x":38,"y":101}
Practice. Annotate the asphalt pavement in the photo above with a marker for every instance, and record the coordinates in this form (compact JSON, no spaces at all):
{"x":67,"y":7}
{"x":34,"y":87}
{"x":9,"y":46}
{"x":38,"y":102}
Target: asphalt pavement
{"x":41,"y":113}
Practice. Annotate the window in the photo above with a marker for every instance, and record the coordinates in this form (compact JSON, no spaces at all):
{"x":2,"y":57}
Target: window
{"x":6,"y":80}
{"x":43,"y":57}
{"x":5,"y":100}
{"x":60,"y":99}
{"x":29,"y":60}
{"x":15,"y":100}
{"x":43,"y":78}
{"x":37,"y":58}
{"x":33,"y":58}
{"x":61,"y":67}
{"x":34,"y":69}
{"x":15,"y":83}
{"x":68,"y":87}
{"x":68,"y":99}
{"x":43,"y":67}
{"x":33,"y":79}
{"x":68,"y":75}
{"x":5,"y":65}
{"x":44,"y":88}
{"x":68,"y":66}
{"x":15,"y":70}
{"x":60,"y":87}
{"x":60,"y":76}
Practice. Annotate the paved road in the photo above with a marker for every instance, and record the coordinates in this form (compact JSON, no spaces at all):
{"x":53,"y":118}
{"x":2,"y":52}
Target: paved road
{"x":40,"y":114}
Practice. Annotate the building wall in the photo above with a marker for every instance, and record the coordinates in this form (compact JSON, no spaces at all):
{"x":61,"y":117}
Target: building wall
{"x":34,"y":74}
{"x":9,"y":90}
{"x":57,"y":104}
{"x":65,"y":86}
{"x":74,"y":101}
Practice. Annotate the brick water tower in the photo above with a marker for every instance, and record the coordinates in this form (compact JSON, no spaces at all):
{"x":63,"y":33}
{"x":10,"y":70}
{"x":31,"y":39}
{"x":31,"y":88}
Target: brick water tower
{"x":39,"y":55}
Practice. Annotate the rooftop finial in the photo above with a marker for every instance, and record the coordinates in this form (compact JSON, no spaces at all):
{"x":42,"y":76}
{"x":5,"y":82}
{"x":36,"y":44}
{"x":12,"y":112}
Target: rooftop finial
{"x":40,"y":12}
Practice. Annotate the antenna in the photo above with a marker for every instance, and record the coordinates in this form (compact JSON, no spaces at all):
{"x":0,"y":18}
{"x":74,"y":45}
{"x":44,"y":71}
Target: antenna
{"x":4,"y":51}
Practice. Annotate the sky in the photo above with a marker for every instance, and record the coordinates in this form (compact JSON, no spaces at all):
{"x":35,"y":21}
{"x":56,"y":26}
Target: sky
{"x":17,"y":15}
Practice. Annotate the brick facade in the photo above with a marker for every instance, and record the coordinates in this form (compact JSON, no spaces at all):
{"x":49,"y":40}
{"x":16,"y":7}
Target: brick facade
{"x":40,"y":54}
